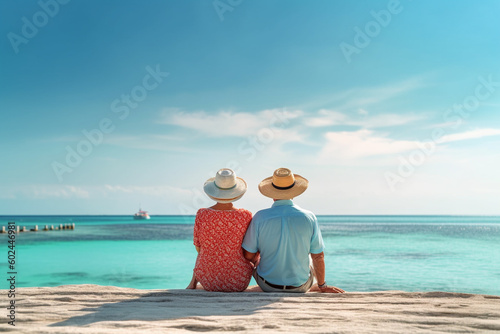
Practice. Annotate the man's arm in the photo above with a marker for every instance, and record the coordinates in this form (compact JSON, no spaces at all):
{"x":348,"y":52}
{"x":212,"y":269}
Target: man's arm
{"x":319,"y":272}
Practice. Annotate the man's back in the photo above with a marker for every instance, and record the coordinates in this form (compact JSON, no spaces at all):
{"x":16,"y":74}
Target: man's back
{"x":284,"y":234}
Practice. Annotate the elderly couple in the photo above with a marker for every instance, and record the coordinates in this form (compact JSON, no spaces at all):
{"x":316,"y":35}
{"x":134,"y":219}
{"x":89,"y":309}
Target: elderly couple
{"x":273,"y":246}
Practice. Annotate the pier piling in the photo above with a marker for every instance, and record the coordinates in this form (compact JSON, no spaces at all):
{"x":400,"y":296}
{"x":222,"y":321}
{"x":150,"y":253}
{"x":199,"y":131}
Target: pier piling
{"x":68,"y":226}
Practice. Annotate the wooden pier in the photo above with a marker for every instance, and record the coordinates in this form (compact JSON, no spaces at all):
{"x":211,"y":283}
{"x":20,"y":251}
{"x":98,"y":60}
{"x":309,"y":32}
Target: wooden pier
{"x":19,"y":229}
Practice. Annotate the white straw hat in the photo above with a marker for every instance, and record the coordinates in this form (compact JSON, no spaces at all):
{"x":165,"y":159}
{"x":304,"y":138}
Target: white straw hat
{"x":283,"y":184}
{"x":225,"y":187}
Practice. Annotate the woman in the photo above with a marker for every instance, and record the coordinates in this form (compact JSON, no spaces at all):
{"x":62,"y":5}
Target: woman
{"x":218,"y":234}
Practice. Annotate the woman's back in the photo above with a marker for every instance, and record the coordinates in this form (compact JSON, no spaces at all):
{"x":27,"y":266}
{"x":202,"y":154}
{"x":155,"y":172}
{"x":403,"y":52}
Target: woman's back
{"x":220,"y":265}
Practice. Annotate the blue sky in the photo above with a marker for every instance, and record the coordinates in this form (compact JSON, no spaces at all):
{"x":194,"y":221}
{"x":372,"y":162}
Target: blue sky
{"x":387,"y":107}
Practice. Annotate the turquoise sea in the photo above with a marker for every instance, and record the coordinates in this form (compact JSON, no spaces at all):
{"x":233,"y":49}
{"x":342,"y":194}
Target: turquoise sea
{"x":363,"y":253}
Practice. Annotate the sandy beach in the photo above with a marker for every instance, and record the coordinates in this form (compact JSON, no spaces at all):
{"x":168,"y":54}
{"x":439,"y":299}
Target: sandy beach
{"x":108,"y":309}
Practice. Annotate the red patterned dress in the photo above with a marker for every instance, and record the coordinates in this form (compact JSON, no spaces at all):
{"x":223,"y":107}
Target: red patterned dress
{"x":220,"y":265}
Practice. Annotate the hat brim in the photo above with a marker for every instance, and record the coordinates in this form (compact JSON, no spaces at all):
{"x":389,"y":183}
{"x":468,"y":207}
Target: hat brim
{"x":267,"y":189}
{"x":229,"y":200}
{"x":225,"y":195}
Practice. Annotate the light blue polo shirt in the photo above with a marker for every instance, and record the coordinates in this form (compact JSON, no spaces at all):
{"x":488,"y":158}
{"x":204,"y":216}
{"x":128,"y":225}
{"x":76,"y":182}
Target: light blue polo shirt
{"x":284,"y":234}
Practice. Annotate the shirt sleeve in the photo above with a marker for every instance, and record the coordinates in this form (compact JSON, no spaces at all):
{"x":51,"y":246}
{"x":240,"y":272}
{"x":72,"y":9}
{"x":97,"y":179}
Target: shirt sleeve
{"x":250,"y":242}
{"x":196,"y":240}
{"x":317,"y":245}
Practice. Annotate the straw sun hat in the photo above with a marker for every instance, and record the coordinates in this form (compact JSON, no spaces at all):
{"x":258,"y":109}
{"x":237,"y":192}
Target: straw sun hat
{"x":225,"y":187}
{"x":283,"y":185}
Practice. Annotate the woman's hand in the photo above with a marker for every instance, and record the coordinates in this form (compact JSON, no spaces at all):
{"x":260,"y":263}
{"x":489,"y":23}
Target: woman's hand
{"x":193,"y":283}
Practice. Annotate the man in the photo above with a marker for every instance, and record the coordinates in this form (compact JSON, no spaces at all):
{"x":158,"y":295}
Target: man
{"x":284,"y":236}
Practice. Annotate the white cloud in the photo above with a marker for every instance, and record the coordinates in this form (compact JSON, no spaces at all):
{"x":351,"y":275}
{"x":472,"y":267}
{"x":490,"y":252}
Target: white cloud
{"x":111,"y":188}
{"x":383,"y":120}
{"x":228,"y":123}
{"x":361,"y":143}
{"x":473,"y":134}
{"x":326,"y":118}
{"x":445,"y":125}
{"x":48,"y":191}
{"x":350,"y":145}
{"x":329,"y":117}
{"x":363,"y":97}
{"x":352,"y":107}
{"x":162,"y":190}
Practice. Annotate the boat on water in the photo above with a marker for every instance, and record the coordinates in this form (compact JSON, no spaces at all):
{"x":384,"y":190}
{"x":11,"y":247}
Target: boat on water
{"x":141,"y":215}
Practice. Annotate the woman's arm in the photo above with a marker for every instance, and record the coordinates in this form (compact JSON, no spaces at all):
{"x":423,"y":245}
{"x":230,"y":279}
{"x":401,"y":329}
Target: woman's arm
{"x":196,"y":242}
{"x":194,"y":281}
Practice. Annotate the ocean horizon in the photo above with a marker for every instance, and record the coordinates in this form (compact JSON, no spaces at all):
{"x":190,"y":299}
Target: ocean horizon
{"x":454,"y":253}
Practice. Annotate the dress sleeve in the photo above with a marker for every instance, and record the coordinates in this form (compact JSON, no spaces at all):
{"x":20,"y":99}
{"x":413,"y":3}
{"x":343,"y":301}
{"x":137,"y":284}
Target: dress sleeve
{"x":196,"y":240}
{"x":317,"y":245}
{"x":248,"y":218}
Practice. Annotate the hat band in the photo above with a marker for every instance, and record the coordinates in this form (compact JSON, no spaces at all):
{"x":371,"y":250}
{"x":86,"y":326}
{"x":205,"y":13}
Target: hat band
{"x":224,"y":188}
{"x":283,"y":188}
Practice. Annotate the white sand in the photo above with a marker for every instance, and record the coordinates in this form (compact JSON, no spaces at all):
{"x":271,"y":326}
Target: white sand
{"x":106,"y":309}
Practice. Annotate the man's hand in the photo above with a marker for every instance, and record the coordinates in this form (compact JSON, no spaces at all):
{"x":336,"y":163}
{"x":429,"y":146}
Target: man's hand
{"x":331,"y":289}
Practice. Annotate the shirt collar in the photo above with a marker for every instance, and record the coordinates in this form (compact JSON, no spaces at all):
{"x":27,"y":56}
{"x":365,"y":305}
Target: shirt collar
{"x":282,"y":202}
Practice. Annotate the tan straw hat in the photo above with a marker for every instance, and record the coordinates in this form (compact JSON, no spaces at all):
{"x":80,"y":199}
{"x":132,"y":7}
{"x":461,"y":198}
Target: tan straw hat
{"x":225,"y":187}
{"x":283,"y":185}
